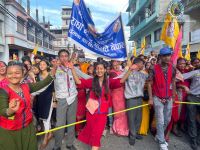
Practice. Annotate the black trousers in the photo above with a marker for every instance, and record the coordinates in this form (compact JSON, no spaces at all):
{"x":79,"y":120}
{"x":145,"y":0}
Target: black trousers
{"x":193,"y":110}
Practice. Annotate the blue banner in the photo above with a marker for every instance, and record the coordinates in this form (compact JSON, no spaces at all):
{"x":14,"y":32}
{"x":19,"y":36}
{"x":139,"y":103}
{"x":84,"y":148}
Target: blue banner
{"x":82,"y":32}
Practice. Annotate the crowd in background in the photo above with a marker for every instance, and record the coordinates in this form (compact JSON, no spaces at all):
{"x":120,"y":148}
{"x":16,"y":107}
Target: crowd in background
{"x":72,"y":90}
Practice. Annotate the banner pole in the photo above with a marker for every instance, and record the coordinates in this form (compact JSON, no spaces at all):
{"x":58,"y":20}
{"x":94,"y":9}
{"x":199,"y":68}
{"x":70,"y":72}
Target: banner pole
{"x":124,"y":35}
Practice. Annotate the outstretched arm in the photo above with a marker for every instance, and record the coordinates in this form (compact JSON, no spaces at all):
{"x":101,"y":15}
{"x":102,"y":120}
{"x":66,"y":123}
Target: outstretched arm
{"x":125,"y":77}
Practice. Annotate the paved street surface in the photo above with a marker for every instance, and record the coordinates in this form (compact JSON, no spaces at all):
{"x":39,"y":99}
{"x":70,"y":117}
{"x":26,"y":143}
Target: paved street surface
{"x":111,"y":142}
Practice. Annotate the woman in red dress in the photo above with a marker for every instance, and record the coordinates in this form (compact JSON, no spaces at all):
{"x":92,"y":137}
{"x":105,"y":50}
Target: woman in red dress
{"x":99,"y":87}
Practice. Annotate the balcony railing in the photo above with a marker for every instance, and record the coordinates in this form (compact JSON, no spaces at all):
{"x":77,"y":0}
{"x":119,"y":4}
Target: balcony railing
{"x":141,"y":5}
{"x":31,"y":38}
{"x":142,"y":25}
{"x":38,"y":41}
{"x":50,"y":46}
{"x":45,"y":44}
{"x":192,"y":4}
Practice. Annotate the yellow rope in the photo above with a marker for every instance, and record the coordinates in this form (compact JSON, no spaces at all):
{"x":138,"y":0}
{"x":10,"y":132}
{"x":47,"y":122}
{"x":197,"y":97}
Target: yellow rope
{"x":111,"y":114}
{"x":79,"y":122}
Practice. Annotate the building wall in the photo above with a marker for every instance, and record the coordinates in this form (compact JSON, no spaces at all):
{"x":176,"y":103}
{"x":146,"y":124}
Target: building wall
{"x":3,"y":45}
{"x":15,"y":41}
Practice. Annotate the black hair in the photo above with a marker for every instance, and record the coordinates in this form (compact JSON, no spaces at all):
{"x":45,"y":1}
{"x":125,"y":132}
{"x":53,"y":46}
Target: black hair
{"x":26,"y":58}
{"x":63,"y":51}
{"x":141,"y":55}
{"x":99,"y":59}
{"x":147,"y":64}
{"x":48,"y":64}
{"x":95,"y":83}
{"x":16,"y":63}
{"x":3,"y":63}
{"x":180,"y":59}
{"x":138,"y":60}
{"x":38,"y":57}
{"x":193,"y":60}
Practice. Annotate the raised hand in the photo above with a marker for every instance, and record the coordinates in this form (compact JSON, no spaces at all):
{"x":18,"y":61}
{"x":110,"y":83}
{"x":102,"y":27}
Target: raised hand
{"x":134,"y":67}
{"x":70,"y":65}
{"x":55,"y":63}
{"x":14,"y":106}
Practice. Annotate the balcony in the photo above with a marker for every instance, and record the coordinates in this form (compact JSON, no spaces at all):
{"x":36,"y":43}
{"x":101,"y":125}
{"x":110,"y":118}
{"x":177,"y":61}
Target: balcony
{"x":50,"y":46}
{"x":191,"y":5}
{"x":58,"y":36}
{"x":64,"y":16}
{"x":31,"y":38}
{"x":65,"y":26}
{"x":45,"y":44}
{"x":139,"y":8}
{"x":38,"y":41}
{"x":142,"y":25}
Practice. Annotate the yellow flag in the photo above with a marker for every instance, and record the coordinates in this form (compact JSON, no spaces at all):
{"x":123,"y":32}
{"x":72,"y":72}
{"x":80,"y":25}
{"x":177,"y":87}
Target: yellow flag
{"x":187,"y":55}
{"x":180,"y":54}
{"x":170,"y":31}
{"x":35,"y":50}
{"x":143,"y":46}
{"x":135,"y":51}
{"x":42,"y":54}
{"x":198,"y":54}
{"x":15,"y":56}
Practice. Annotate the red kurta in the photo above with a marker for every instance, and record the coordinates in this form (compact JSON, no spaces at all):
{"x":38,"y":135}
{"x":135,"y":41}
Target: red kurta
{"x":95,"y":125}
{"x":81,"y":109}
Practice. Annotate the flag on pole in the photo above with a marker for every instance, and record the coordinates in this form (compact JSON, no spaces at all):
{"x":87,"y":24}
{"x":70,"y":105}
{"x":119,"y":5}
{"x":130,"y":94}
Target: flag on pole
{"x":178,"y":48}
{"x":187,"y":55}
{"x":170,"y":31}
{"x":198,"y":54}
{"x":82,"y":32}
{"x":15,"y":56}
{"x":143,"y":46}
{"x":135,"y":51}
{"x":180,"y":54}
{"x":35,"y":50}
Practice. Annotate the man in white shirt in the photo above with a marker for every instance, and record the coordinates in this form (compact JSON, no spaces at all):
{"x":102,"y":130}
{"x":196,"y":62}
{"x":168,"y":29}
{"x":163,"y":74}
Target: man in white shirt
{"x":66,"y":93}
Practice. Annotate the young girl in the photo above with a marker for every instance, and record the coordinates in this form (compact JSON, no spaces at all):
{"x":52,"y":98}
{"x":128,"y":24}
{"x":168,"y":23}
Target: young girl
{"x":99,"y":87}
{"x":15,"y":110}
{"x":44,"y":102}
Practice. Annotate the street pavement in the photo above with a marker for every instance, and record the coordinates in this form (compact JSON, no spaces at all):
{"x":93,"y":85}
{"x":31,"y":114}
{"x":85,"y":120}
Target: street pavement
{"x":112,"y":142}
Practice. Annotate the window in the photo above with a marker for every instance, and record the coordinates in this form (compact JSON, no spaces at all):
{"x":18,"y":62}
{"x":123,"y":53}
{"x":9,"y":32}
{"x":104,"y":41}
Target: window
{"x":138,"y":42}
{"x":148,"y":41}
{"x":157,"y":35}
{"x":1,"y":31}
{"x":20,"y":25}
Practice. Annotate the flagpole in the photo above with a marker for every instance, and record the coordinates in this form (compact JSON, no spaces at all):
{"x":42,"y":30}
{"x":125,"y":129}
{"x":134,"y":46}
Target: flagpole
{"x":124,"y":35}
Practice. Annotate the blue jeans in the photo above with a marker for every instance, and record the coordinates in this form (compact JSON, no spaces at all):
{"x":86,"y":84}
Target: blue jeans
{"x":163,"y":114}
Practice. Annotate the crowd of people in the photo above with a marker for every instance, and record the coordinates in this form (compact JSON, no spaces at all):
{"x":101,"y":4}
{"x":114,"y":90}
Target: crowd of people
{"x":39,"y":96}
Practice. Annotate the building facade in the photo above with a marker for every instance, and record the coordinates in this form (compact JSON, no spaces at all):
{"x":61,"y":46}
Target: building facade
{"x":191,"y":26}
{"x":146,"y":19}
{"x":61,"y":40}
{"x":22,"y":33}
